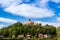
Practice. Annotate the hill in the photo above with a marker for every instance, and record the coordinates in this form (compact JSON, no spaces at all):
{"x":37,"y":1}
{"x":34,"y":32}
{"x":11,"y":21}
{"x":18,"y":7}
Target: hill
{"x":18,"y":28}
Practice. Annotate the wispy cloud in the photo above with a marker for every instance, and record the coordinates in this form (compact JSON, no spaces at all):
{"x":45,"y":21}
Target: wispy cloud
{"x":29,"y":11}
{"x":58,"y":19}
{"x":1,"y":26}
{"x":43,"y":3}
{"x":7,"y":3}
{"x":56,"y":1}
{"x":6,"y":20}
{"x":56,"y":24}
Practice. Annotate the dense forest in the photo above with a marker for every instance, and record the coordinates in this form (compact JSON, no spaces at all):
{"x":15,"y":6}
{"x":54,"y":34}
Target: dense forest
{"x":18,"y":28}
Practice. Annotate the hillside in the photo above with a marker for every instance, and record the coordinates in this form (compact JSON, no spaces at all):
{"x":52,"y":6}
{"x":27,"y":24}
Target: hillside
{"x":18,"y":28}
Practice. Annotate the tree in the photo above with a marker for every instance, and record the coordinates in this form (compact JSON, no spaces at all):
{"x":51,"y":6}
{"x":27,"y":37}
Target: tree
{"x":58,"y":31}
{"x":50,"y":29}
{"x":18,"y":28}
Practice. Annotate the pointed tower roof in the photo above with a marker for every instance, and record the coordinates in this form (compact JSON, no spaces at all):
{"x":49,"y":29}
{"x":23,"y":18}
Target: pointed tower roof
{"x":29,"y":19}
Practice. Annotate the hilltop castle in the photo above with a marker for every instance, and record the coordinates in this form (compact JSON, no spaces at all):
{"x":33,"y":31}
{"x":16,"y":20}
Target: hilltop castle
{"x":29,"y":22}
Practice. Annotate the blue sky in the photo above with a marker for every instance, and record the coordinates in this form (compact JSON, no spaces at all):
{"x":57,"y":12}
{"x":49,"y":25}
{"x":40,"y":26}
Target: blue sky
{"x":41,"y":11}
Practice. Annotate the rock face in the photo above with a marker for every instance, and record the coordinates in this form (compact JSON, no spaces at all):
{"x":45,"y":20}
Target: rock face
{"x":29,"y":22}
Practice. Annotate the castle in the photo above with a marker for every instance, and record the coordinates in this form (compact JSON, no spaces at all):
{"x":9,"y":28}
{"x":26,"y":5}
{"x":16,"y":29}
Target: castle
{"x":29,"y":22}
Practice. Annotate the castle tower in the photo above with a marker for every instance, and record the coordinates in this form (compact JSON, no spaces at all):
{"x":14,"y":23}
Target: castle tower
{"x":29,"y":19}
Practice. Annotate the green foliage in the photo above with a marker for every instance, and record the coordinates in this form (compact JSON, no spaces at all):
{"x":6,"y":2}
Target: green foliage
{"x":18,"y":28}
{"x":58,"y":33}
{"x":12,"y":30}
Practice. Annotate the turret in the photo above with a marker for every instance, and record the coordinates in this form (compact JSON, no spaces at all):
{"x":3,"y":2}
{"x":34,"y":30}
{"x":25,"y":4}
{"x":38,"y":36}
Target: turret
{"x":29,"y":19}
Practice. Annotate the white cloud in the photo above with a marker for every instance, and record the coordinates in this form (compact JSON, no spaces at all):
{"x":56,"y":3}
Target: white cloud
{"x":2,"y":25}
{"x":56,"y":23}
{"x":6,"y":3}
{"x":50,"y":23}
{"x":29,"y":11}
{"x":41,"y":3}
{"x":58,"y":19}
{"x":6,"y":20}
{"x":57,"y":1}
